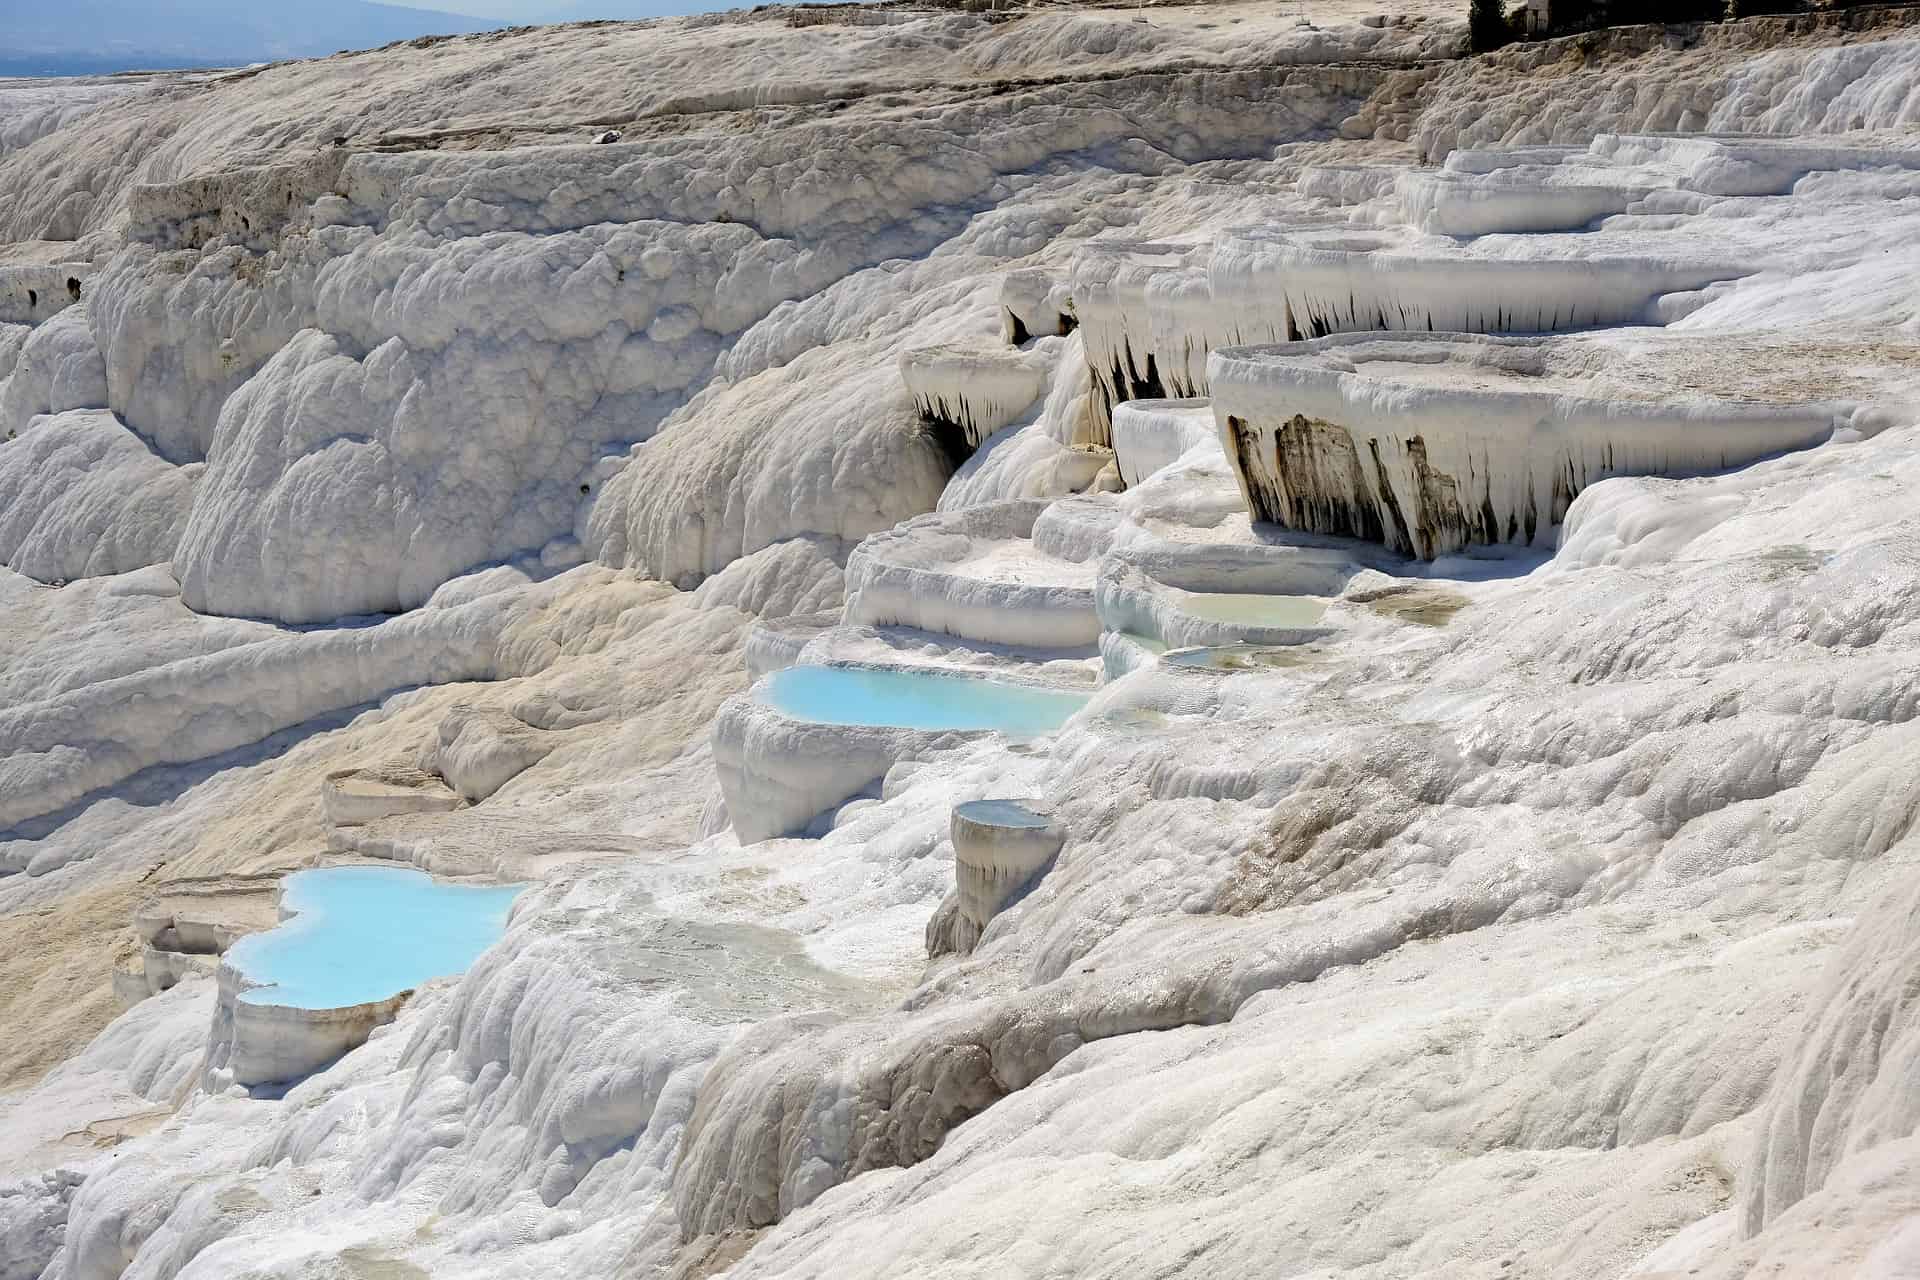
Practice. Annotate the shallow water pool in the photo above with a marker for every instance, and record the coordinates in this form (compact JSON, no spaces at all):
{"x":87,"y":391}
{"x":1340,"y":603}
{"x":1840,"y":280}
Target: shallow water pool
{"x":1242,"y":657}
{"x":1002,"y":813}
{"x":366,"y":933}
{"x":1254,"y":610}
{"x":918,"y":700}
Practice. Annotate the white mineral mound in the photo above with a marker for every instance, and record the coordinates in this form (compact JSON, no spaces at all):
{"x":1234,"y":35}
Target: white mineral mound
{"x":391,"y":470}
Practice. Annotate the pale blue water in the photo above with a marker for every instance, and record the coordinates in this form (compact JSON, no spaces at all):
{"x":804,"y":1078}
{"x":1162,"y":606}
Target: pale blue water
{"x":919,"y":700}
{"x":367,"y":933}
{"x":1001,"y":813}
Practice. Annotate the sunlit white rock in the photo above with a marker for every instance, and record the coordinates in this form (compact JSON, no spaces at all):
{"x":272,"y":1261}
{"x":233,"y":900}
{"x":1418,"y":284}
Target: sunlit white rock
{"x":253,"y":1044}
{"x":1110,"y":284}
{"x":30,"y":294}
{"x":350,"y":797}
{"x":480,"y":749}
{"x":81,"y":496}
{"x":1347,"y":280}
{"x":1429,"y":444}
{"x":1037,"y":304}
{"x":1562,"y":861}
{"x":976,"y":574}
{"x":998,"y":846}
{"x":974,"y":391}
{"x":778,"y":773}
{"x":1149,"y":435}
{"x":56,"y":367}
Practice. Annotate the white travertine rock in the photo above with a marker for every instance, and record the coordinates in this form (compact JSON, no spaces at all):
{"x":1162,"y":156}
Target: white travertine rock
{"x":1149,"y":435}
{"x":1344,"y":281}
{"x":778,"y":773}
{"x":1494,"y":159}
{"x":181,"y":332}
{"x":1429,"y":444}
{"x":998,"y":846}
{"x":1133,"y":604}
{"x":757,"y":463}
{"x":329,"y":456}
{"x":57,"y":368}
{"x":1519,"y":198}
{"x":206,"y":915}
{"x":972,"y":392}
{"x":1111,"y":282}
{"x":12,"y":338}
{"x":1347,"y":184}
{"x":252,"y":1043}
{"x":776,"y":645}
{"x":36,"y":107}
{"x":185,"y":928}
{"x":248,"y":204}
{"x":1461,"y":941}
{"x":478,"y":750}
{"x":1845,"y":1082}
{"x":1154,"y":312}
{"x":81,"y":496}
{"x":1037,"y":304}
{"x":32,"y":293}
{"x":976,"y":574}
{"x":161,"y":970}
{"x":1748,"y":164}
{"x":235,"y":683}
{"x":801,"y":575}
{"x":351,"y":797}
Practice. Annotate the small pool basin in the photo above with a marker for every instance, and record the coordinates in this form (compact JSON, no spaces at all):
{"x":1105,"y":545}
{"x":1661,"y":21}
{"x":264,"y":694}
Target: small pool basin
{"x":1016,"y":814}
{"x":908,"y":699}
{"x":1242,"y":657}
{"x":1254,"y":610}
{"x":362,"y":934}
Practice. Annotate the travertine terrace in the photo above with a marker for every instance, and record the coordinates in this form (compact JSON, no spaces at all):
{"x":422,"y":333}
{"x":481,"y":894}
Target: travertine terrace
{"x":1428,"y":539}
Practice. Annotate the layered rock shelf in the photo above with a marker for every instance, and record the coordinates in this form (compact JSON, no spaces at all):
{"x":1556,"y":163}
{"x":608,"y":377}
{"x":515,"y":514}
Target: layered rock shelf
{"x":1151,"y":435}
{"x":1349,"y":281}
{"x":810,"y":738}
{"x":351,"y":797}
{"x":185,"y":927}
{"x":968,"y":393}
{"x":1116,"y":287}
{"x":1428,"y":445}
{"x":978,"y":574}
{"x":999,"y":846}
{"x":31,"y":293}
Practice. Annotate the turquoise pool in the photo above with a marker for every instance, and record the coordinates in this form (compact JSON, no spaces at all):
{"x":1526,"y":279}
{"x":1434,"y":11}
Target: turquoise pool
{"x":1002,"y":813}
{"x":918,"y":700}
{"x":361,"y":934}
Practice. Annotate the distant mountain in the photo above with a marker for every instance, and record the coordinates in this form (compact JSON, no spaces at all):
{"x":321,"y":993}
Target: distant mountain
{"x":68,"y":36}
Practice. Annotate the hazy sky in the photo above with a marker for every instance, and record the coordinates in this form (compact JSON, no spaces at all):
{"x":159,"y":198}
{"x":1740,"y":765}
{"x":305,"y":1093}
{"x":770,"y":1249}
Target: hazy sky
{"x":504,"y":10}
{"x":71,"y":36}
{"x":547,"y":10}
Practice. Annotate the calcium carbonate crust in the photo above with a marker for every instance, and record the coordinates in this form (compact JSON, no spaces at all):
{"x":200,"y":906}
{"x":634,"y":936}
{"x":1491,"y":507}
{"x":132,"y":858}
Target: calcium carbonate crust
{"x":431,"y":483}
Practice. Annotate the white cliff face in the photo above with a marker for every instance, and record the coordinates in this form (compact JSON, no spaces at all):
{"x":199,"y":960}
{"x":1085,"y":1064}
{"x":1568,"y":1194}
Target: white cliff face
{"x":427,"y":483}
{"x":1429,"y":445}
{"x":85,"y":497}
{"x":56,"y":367}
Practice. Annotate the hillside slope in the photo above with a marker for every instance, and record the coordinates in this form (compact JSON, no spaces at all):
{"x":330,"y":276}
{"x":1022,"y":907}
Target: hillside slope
{"x":1504,"y":871}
